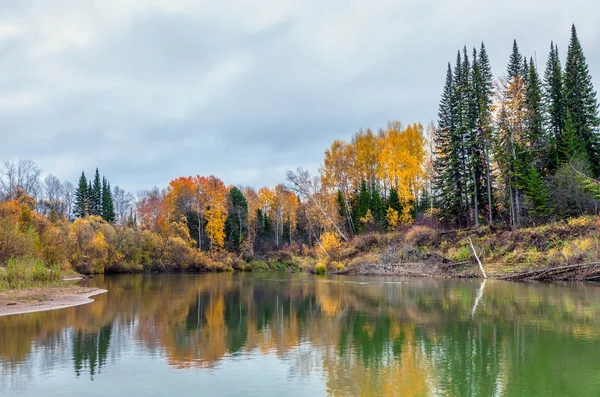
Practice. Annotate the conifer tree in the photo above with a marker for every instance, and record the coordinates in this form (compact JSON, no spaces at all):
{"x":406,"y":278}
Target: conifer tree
{"x":81,"y":198}
{"x":581,"y":102}
{"x":362,"y":206}
{"x":394,"y":200}
{"x":554,"y":104}
{"x":537,"y":139}
{"x":484,"y":91}
{"x":376,"y":206}
{"x":96,"y":196}
{"x":515,"y":63}
{"x":236,"y":225}
{"x":448,"y":164}
{"x":536,"y":194}
{"x":569,"y":145}
{"x":107,"y":208}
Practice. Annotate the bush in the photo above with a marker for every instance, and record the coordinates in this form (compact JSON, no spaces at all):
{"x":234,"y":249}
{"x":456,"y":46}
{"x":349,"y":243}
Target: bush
{"x":331,"y":243}
{"x":28,"y":273}
{"x":420,"y":235}
{"x":320,"y":268}
{"x":366,"y":241}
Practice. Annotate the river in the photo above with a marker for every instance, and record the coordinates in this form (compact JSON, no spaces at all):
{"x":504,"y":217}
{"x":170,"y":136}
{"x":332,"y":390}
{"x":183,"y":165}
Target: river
{"x":301,"y":335}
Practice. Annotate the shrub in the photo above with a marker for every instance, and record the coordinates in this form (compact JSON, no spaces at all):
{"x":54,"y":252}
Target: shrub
{"x":420,"y":235}
{"x":366,"y":241}
{"x":28,"y":273}
{"x":331,"y":243}
{"x":320,"y":268}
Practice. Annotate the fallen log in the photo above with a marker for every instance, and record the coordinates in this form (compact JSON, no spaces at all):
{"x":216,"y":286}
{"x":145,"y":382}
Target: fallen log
{"x":552,"y":273}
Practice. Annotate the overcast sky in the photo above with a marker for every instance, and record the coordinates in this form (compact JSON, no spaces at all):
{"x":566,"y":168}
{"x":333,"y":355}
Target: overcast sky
{"x":149,"y":90}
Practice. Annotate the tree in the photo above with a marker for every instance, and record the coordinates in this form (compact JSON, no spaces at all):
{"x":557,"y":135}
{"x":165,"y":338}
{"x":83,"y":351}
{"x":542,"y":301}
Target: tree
{"x":448,"y":165}
{"x":96,"y":196}
{"x":123,"y":203}
{"x":484,"y":90}
{"x":515,"y":63}
{"x":362,"y":207}
{"x":108,"y":207}
{"x":215,"y":211}
{"x":537,"y":139}
{"x":376,"y":206}
{"x":581,"y":102}
{"x":20,"y":177}
{"x":82,"y":202}
{"x":54,"y":196}
{"x":401,"y":160}
{"x":554,"y":104}
{"x":306,"y":187}
{"x":236,"y":225}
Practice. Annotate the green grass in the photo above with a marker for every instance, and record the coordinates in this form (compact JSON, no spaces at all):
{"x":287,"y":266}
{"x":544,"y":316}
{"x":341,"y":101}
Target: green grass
{"x":24,"y":273}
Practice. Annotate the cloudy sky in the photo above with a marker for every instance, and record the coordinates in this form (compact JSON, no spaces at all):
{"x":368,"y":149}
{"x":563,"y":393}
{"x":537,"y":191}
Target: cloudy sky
{"x":149,"y":90}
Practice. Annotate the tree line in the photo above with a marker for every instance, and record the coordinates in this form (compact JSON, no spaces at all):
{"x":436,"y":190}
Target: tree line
{"x":508,"y":150}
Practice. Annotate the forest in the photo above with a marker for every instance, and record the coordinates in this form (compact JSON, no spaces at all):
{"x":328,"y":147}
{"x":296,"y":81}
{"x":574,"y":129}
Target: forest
{"x":516,"y":151}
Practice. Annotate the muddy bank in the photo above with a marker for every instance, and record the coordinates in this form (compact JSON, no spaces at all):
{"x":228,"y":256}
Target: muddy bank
{"x":578,"y":272}
{"x":37,"y":300}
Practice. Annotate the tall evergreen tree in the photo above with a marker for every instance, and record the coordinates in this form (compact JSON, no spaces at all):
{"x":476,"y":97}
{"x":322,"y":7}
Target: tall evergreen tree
{"x":376,"y":206}
{"x":536,"y":134}
{"x":515,"y":63}
{"x":394,"y":200}
{"x":484,"y":89}
{"x":96,"y":196}
{"x":448,"y":164}
{"x":554,"y":105}
{"x":81,"y":198}
{"x":236,"y":225}
{"x":107,"y":208}
{"x":581,"y":102}
{"x":362,"y":206}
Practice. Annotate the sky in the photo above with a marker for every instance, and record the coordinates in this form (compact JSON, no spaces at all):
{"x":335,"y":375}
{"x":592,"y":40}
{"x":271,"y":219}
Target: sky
{"x":149,"y":90}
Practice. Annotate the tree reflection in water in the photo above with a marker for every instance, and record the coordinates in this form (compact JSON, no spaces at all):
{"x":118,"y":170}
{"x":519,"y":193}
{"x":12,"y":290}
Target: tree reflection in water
{"x":366,"y":336}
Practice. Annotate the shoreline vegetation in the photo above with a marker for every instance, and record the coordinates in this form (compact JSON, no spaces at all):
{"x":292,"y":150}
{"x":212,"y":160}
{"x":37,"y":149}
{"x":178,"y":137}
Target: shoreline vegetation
{"x":504,"y":185}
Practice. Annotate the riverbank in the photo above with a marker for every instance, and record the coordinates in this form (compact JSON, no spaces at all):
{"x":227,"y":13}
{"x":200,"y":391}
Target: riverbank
{"x":43,"y":299}
{"x":568,"y":250}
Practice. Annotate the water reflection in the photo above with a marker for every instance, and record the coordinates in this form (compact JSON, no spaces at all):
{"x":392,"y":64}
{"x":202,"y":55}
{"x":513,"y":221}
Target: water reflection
{"x":362,"y":336}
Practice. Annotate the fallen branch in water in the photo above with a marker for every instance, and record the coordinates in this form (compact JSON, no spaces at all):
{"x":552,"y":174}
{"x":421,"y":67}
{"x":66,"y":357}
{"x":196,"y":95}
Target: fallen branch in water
{"x":477,"y":257}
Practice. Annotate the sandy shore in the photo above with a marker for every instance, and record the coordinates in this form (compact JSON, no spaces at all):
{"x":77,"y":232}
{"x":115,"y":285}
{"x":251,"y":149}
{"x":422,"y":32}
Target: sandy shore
{"x":38,"y":300}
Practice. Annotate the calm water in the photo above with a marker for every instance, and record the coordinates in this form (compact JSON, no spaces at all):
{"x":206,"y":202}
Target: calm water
{"x":298,"y":335}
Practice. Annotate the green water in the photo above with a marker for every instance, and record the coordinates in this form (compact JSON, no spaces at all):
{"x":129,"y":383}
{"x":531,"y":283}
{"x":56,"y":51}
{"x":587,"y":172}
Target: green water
{"x":300,"y":335}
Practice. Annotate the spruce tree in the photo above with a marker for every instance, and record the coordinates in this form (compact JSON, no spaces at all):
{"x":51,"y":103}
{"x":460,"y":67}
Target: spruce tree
{"x":362,"y":206}
{"x":448,"y":163}
{"x":537,"y":198}
{"x":81,"y":198}
{"x":554,"y":105}
{"x":394,"y":200}
{"x":111,"y":204}
{"x":236,"y":225}
{"x":484,"y":92}
{"x":376,"y":206}
{"x":569,"y":145}
{"x":107,"y":207}
{"x":104,"y":206}
{"x":537,"y":139}
{"x":96,"y":196}
{"x":515,"y":63}
{"x":581,"y":102}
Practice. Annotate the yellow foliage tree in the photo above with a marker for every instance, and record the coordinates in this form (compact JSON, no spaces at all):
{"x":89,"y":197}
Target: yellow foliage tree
{"x":331,"y":243}
{"x":401,"y":158}
{"x":392,"y":217}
